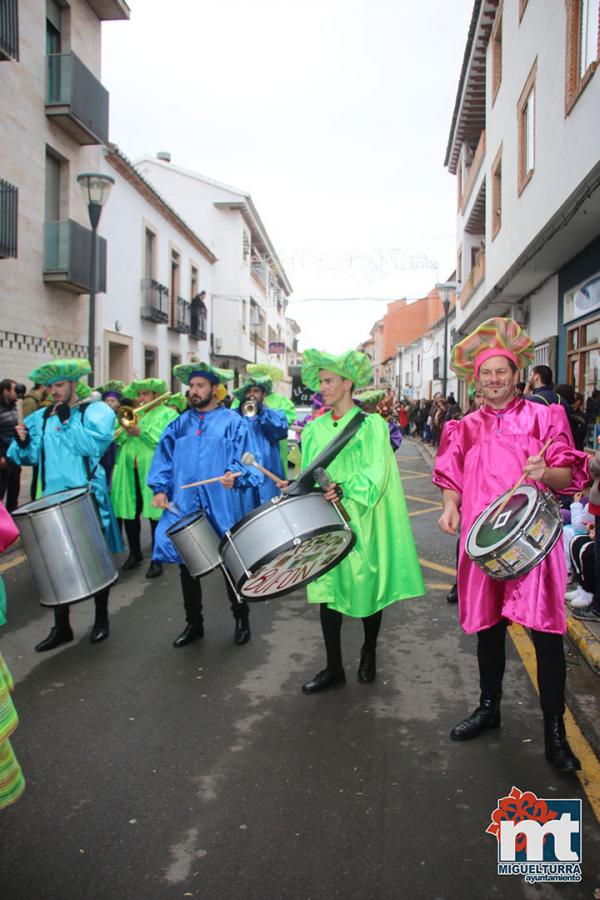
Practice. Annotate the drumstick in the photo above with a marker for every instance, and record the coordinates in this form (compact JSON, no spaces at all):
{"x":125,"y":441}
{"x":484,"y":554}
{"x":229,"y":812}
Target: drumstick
{"x":519,"y":482}
{"x":250,"y":460}
{"x":208,"y":480}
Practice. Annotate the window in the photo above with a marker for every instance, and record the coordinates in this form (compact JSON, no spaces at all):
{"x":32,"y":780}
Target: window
{"x":583,"y":26}
{"x":149,"y":254}
{"x":9,"y":30}
{"x":526,"y":130}
{"x":496,"y":41}
{"x":175,"y":383}
{"x":497,"y":194}
{"x":53,"y":27}
{"x":193,"y":282}
{"x":56,"y":187}
{"x":9,"y":195}
{"x":150,"y":362}
{"x":246,"y":247}
{"x":174,"y":284}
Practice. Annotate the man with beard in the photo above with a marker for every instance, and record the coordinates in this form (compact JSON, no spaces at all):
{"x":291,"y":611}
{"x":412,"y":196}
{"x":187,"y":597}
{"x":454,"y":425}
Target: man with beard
{"x":205,"y":441}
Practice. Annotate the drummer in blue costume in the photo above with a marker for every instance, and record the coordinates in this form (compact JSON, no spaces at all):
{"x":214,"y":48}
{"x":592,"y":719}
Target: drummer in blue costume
{"x":67,"y":443}
{"x":205,"y":441}
{"x":267,"y":428}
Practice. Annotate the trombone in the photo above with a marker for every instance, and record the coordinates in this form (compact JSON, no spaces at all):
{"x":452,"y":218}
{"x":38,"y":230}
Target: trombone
{"x":128,"y":417}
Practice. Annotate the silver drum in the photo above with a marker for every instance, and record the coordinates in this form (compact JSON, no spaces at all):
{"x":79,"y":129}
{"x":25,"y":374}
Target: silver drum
{"x":65,"y":547}
{"x":197,"y":543}
{"x":285,"y":544}
{"x":511,"y":544}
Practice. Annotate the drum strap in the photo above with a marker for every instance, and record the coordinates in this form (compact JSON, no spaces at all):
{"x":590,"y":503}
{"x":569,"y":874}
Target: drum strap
{"x":305,"y":483}
{"x":42,"y":466}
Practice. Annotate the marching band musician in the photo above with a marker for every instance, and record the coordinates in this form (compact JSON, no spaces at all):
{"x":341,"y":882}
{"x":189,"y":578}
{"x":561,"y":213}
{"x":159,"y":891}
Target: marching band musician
{"x":481,"y":457}
{"x":205,"y":441}
{"x":111,"y":393}
{"x":130,"y":495}
{"x":273,"y":400}
{"x":67,"y":442}
{"x":267,"y":427}
{"x":382,"y":567}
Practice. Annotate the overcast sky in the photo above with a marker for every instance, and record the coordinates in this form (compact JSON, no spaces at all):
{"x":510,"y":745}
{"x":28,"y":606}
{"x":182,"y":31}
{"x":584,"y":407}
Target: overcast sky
{"x":334,"y":115}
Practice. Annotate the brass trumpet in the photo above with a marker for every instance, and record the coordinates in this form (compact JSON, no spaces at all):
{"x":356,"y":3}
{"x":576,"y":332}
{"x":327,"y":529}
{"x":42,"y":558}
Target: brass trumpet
{"x":249,"y":408}
{"x":127,"y":417}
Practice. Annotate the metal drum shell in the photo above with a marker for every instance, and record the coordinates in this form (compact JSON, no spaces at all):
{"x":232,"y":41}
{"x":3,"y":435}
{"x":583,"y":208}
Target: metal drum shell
{"x":197,"y":543}
{"x":274,"y":528}
{"x":65,"y":547}
{"x":495,"y":561}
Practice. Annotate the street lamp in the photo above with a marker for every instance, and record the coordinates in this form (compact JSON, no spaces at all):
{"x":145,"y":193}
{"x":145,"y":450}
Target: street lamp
{"x":95,"y":189}
{"x":446,"y":290}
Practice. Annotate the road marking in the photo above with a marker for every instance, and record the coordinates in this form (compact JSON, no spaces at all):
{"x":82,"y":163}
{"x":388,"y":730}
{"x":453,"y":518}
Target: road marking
{"x":589,"y":776}
{"x":416,"y":474}
{"x":421,"y":512}
{"x":437,"y":567}
{"x":438,"y":586}
{"x":420,"y":500}
{"x":4,"y":567}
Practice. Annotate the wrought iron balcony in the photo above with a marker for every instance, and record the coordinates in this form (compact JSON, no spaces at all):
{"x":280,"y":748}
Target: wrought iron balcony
{"x":67,"y":253}
{"x":75,"y":99}
{"x":9,"y":30}
{"x":182,"y":320}
{"x":155,"y":301}
{"x":9,"y":195}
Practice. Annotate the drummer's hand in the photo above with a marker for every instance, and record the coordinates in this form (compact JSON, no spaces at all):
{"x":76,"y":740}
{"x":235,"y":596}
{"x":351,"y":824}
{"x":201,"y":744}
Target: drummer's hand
{"x":333,"y":493}
{"x":577,"y":496}
{"x":134,"y":431}
{"x":535,"y":467}
{"x":160,"y":501}
{"x":227,"y":480}
{"x":281,"y":484}
{"x":22,"y":433}
{"x":449,"y":519}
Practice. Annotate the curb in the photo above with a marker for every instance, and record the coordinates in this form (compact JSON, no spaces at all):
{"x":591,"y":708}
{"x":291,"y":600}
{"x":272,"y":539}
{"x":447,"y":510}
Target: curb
{"x":583,"y":639}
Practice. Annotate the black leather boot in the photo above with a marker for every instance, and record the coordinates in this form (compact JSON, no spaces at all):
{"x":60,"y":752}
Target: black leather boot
{"x":241,"y":634}
{"x":366,"y":668}
{"x":324,"y":680}
{"x":99,"y":629}
{"x":132,"y":561}
{"x":487,"y":715}
{"x":190,"y":633}
{"x":558,"y":751}
{"x":154,"y":570}
{"x":452,"y":595}
{"x":59,"y":634}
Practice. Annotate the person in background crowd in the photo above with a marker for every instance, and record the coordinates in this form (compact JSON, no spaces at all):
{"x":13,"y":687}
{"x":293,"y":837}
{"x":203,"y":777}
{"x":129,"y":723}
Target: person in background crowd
{"x":35,"y":397}
{"x":540,"y":388}
{"x":403,"y":418}
{"x":273,"y":401}
{"x":112,"y":394}
{"x":578,"y":541}
{"x":10,"y":472}
{"x":592,"y":612}
{"x":576,"y":418}
{"x":592,"y":408}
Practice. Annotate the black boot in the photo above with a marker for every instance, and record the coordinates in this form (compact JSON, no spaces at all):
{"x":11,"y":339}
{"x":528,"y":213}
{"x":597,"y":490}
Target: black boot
{"x":190,"y":633}
{"x":558,"y":751}
{"x":487,"y":715}
{"x":99,"y":629}
{"x":133,"y":560}
{"x":59,"y":634}
{"x":323,"y":680}
{"x":366,"y":667}
{"x":452,"y":595}
{"x":241,"y":635}
{"x":154,"y":570}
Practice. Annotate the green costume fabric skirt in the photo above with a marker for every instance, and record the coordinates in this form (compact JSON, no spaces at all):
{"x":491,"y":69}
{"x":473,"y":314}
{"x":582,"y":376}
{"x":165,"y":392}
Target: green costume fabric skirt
{"x":12,"y":783}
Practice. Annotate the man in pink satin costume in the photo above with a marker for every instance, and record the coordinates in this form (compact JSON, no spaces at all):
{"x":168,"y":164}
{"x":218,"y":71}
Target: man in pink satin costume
{"x":481,"y":457}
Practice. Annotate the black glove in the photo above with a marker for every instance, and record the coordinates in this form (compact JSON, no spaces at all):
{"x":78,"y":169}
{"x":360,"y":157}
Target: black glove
{"x":63,"y":411}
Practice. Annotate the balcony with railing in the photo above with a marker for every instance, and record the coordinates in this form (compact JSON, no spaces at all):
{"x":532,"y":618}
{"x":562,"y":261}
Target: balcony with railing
{"x":75,"y":99}
{"x":155,"y":301}
{"x":9,"y":196}
{"x":474,"y":171}
{"x":67,"y":256}
{"x":9,"y":30}
{"x":475,"y":278}
{"x":259,"y":274}
{"x":182,"y":316}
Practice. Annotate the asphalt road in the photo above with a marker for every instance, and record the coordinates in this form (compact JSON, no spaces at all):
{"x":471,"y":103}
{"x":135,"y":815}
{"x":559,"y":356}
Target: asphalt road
{"x":204,"y":772}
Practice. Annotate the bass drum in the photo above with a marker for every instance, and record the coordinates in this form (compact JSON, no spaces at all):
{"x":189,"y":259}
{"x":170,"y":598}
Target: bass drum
{"x":65,"y":546}
{"x":511,"y":544}
{"x":285,"y":544}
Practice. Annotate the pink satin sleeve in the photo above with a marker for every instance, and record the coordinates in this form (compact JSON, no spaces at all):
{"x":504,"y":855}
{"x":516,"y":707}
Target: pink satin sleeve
{"x":449,"y":462}
{"x":562,"y":453}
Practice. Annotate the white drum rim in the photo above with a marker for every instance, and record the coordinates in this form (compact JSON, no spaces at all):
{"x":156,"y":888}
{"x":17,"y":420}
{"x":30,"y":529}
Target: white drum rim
{"x":28,"y":508}
{"x":476,"y":551}
{"x":189,"y":519}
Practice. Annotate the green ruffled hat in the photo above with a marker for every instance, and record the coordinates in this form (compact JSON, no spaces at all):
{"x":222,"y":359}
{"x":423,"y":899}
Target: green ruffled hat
{"x":178,"y":402}
{"x":156,"y":385}
{"x":261,"y":370}
{"x":261,"y":381}
{"x":114,"y":387}
{"x":60,"y":370}
{"x":352,"y":364}
{"x":374,"y":396}
{"x":185,"y":371}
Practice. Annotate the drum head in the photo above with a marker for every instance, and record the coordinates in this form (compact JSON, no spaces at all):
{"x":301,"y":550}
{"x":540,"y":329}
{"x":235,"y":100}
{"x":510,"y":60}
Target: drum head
{"x":295,"y":565}
{"x":50,"y":500}
{"x":183,"y":523}
{"x":491,"y":532}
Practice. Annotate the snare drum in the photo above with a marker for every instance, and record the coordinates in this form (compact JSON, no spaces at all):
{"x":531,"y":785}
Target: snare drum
{"x":284,"y":544}
{"x":197,"y":543}
{"x":519,"y":538}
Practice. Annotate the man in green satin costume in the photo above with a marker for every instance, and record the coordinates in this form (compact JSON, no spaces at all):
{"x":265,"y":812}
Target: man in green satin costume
{"x":266,"y":376}
{"x":130,"y":495}
{"x":383,"y":566}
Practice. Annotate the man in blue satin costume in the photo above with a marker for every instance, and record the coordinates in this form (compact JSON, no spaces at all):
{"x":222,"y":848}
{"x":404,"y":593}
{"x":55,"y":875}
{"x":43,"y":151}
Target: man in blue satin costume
{"x":207,"y":440}
{"x":67,"y":443}
{"x":267,"y":428}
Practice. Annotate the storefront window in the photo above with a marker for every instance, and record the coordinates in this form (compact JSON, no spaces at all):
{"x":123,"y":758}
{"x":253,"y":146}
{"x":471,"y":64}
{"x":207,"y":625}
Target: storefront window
{"x":573,"y":341}
{"x":592,"y":370}
{"x":591,"y":333}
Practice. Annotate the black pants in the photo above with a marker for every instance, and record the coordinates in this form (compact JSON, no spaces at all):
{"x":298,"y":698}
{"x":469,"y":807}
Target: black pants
{"x":331,"y":626}
{"x":133,"y":527}
{"x":583,"y":557}
{"x":61,"y":613}
{"x":191,"y":589}
{"x":10,"y":485}
{"x":551,"y":666}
